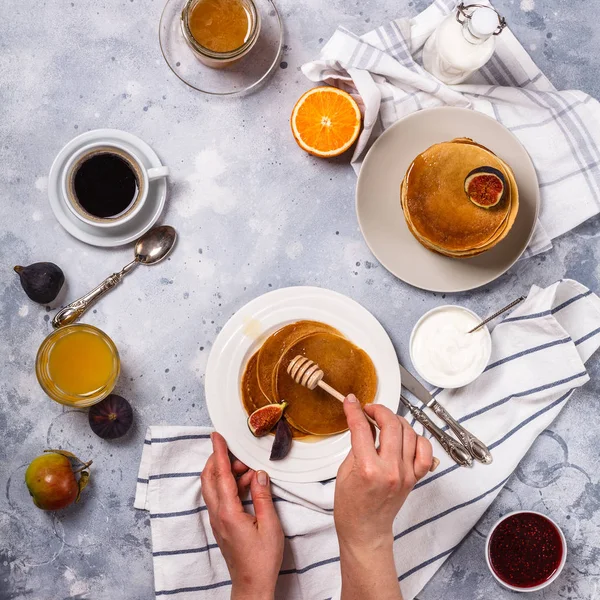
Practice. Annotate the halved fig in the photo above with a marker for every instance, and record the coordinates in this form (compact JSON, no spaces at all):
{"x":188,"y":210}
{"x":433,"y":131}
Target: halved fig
{"x":282,"y":443}
{"x":485,"y":186}
{"x":262,"y":420}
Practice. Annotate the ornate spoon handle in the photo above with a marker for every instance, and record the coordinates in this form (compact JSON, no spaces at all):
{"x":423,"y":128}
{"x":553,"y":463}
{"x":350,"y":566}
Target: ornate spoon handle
{"x":478,"y":450}
{"x":457,"y":452}
{"x":497,"y":314}
{"x":72,"y":312}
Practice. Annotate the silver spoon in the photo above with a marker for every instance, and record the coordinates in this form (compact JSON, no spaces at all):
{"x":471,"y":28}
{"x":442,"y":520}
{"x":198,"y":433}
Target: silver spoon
{"x":497,"y":314}
{"x":151,"y":248}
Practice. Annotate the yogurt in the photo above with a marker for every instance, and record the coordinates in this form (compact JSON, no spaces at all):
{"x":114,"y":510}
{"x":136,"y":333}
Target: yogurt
{"x":444,"y":353}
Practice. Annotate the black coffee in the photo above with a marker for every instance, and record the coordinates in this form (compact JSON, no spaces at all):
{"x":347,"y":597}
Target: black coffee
{"x":105,"y":185}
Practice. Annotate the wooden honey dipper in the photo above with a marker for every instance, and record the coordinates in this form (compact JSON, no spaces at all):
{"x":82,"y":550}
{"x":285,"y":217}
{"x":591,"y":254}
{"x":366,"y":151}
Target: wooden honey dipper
{"x":306,"y":372}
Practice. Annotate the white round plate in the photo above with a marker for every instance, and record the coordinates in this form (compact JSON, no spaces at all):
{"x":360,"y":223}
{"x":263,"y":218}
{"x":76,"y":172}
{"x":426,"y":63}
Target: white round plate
{"x":380,"y":214}
{"x":113,"y":236}
{"x":242,"y":336}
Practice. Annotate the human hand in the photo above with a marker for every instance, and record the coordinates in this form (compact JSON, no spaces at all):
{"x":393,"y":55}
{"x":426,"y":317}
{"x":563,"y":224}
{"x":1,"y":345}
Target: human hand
{"x":372,"y":484}
{"x":252,"y":546}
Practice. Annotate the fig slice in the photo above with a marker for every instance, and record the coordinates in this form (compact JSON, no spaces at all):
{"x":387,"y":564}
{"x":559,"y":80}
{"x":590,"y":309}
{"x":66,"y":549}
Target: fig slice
{"x":282,"y":443}
{"x":262,"y":420}
{"x":485,"y":186}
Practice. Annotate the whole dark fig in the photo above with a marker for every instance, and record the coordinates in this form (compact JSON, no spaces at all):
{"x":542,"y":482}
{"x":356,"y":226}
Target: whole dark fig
{"x":283,"y":441}
{"x":111,"y":418}
{"x":262,"y":420}
{"x":41,"y":281}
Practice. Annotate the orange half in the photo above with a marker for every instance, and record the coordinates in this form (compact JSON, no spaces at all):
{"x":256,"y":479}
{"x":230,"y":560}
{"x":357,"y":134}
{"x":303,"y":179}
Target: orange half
{"x":325,"y":121}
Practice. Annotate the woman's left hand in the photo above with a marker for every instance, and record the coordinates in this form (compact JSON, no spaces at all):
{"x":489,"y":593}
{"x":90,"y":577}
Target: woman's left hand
{"x":251,"y":545}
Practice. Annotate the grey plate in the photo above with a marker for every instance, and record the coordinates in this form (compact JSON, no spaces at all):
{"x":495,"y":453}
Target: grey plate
{"x":380,"y":214}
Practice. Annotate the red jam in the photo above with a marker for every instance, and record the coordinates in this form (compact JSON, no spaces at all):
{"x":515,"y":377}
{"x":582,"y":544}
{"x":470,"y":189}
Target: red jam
{"x":525,"y":550}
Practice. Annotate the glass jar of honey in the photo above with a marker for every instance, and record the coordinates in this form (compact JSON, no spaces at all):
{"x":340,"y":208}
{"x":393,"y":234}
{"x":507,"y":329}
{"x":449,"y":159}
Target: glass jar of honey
{"x":78,"y":365}
{"x":220,"y":32}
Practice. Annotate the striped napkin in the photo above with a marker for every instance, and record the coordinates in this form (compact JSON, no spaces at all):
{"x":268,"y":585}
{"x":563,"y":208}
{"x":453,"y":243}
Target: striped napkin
{"x":560,"y":130}
{"x":537,"y":361}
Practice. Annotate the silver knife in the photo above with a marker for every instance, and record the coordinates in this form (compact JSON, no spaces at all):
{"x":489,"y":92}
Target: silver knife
{"x":455,"y":450}
{"x":477,"y":449}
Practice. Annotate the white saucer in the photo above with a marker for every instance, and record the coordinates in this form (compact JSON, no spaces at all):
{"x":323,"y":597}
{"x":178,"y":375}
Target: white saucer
{"x":242,"y":336}
{"x":122,"y":234}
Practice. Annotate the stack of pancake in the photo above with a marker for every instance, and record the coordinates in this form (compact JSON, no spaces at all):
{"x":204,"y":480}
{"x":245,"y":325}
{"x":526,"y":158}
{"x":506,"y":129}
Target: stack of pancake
{"x":309,"y":412}
{"x":438,"y":211}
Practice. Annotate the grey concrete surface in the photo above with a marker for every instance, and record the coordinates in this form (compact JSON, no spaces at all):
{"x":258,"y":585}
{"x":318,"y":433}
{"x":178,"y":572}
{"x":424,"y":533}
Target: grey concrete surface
{"x":245,"y":200}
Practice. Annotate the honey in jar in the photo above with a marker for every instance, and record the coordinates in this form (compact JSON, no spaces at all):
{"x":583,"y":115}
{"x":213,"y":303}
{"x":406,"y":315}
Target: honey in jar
{"x":220,"y":25}
{"x":78,"y":365}
{"x":220,"y":32}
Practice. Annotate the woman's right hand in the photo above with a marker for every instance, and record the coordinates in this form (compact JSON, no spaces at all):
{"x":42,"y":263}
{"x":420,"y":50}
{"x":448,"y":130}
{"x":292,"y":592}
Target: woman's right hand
{"x":372,"y":485}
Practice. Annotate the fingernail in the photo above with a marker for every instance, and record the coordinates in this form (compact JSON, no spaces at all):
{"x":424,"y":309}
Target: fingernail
{"x":351,"y":398}
{"x":263,"y":478}
{"x":211,"y":436}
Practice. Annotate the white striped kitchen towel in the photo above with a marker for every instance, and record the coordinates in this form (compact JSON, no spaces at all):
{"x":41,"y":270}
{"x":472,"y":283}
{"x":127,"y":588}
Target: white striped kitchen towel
{"x":538,"y":359}
{"x":560,"y":130}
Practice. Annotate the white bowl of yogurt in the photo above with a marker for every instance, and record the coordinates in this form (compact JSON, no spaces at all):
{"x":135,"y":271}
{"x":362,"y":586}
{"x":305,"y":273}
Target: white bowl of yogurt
{"x":443,"y":352}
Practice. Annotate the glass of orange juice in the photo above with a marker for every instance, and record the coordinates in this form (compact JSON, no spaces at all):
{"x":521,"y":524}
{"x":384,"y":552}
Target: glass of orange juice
{"x":78,"y":365}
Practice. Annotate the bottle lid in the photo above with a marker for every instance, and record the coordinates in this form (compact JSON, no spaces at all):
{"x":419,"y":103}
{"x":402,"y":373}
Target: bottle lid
{"x":483,"y":22}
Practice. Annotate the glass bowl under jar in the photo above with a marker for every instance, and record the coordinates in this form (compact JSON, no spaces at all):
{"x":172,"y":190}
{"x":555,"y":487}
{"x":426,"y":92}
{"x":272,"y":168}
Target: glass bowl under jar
{"x":220,"y":32}
{"x":78,"y":365}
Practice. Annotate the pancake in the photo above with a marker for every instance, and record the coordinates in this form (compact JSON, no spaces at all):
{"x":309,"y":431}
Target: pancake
{"x":276,"y":346}
{"x":252,"y":396}
{"x":439,"y":213}
{"x":494,"y":235}
{"x":347,"y":368}
{"x":502,"y":233}
{"x":437,"y":207}
{"x":487,"y":244}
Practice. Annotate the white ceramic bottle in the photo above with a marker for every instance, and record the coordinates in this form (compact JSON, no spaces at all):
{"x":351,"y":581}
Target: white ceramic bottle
{"x":463,"y":43}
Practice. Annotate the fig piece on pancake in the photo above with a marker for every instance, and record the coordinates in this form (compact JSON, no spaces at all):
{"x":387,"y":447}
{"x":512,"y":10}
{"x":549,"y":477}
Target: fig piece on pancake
{"x":485,"y":186}
{"x":282,"y":443}
{"x":262,"y":420}
{"x":252,"y":396}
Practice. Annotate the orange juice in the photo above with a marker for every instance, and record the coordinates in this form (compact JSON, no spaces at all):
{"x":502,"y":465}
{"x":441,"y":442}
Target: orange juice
{"x":78,"y":365}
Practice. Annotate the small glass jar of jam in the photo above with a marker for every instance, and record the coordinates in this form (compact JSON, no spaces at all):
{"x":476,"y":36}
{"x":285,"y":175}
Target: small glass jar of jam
{"x":526,"y":551}
{"x":77,"y":365}
{"x":220,"y":32}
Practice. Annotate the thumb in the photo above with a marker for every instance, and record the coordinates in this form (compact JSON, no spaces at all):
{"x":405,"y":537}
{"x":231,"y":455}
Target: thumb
{"x":260,"y":489}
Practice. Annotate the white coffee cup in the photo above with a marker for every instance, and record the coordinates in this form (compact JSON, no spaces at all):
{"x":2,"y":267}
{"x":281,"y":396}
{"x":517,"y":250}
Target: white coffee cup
{"x":143,"y":175}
